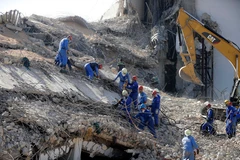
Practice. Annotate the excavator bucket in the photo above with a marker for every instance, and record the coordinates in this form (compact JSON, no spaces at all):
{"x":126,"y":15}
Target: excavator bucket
{"x":188,"y":74}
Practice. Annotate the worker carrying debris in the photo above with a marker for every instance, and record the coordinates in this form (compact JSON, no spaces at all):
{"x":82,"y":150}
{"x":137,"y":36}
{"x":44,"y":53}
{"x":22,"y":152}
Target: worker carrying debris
{"x":231,"y":119}
{"x":61,"y":58}
{"x":134,"y":93}
{"x":92,"y":69}
{"x":145,"y":117}
{"x":142,"y":97}
{"x":124,"y":77}
{"x":155,"y":107}
{"x":125,"y":103}
{"x":189,"y":146}
{"x":207,"y":127}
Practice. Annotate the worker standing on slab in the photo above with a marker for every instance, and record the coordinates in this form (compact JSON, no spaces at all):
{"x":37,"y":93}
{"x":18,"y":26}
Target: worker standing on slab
{"x":92,"y":69}
{"x":231,"y":118}
{"x":134,"y":93}
{"x":123,"y":77}
{"x":207,"y":127}
{"x":142,"y":97}
{"x":126,"y":102}
{"x":61,"y":57}
{"x":145,"y":117}
{"x":155,"y":107}
{"x":189,"y":146}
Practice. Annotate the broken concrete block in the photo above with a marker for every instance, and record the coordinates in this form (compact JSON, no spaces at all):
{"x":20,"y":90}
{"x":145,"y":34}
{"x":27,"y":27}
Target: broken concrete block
{"x":12,"y":27}
{"x":108,"y":152}
{"x":90,"y":145}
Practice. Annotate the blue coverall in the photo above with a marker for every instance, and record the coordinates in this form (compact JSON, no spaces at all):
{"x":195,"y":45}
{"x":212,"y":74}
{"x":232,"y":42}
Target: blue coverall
{"x":134,"y":93}
{"x":122,"y":79}
{"x":90,"y":68}
{"x":146,"y":120}
{"x":155,"y":108}
{"x":126,"y":106}
{"x":57,"y":62}
{"x":142,"y":99}
{"x":62,"y":52}
{"x":231,"y":113}
{"x":208,"y":126}
{"x":238,"y":115}
{"x":189,"y":145}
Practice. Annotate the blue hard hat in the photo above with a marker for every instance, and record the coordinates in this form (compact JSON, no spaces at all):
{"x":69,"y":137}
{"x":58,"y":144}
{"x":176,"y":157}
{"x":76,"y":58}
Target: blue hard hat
{"x":142,"y":106}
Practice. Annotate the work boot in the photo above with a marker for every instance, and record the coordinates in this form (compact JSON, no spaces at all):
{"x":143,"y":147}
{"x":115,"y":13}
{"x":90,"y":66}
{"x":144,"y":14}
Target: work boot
{"x":230,"y":136}
{"x":63,"y":71}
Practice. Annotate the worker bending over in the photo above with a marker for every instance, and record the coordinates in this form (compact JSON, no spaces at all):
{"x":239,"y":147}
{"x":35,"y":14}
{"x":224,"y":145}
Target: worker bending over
{"x":92,"y":69}
{"x":207,"y":127}
{"x":145,"y":117}
{"x":125,"y":103}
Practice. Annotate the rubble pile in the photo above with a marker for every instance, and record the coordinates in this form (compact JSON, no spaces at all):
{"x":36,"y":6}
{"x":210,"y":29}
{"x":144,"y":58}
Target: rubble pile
{"x":43,"y":110}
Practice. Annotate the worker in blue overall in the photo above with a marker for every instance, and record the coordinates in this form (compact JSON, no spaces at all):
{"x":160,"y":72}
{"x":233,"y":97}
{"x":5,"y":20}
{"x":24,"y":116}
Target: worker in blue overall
{"x":231,"y":119}
{"x":134,"y":93}
{"x":123,"y":77}
{"x":189,"y":146}
{"x":145,"y":117}
{"x":207,"y":127}
{"x":155,"y":107}
{"x":92,"y":69}
{"x":125,"y":104}
{"x":61,"y":59}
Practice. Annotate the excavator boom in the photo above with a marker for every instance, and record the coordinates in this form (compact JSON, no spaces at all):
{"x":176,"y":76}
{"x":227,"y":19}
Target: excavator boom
{"x":188,"y":25}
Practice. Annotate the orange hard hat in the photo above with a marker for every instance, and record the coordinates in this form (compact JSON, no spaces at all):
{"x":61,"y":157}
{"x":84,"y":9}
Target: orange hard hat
{"x":134,"y":78}
{"x":140,"y":87}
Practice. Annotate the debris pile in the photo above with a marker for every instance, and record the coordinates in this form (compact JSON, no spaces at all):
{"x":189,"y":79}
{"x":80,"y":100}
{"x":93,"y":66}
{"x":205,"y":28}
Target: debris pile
{"x":43,"y":110}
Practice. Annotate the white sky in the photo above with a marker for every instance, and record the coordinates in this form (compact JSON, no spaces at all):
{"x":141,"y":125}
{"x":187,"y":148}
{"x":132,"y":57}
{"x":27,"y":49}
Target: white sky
{"x":90,"y":10}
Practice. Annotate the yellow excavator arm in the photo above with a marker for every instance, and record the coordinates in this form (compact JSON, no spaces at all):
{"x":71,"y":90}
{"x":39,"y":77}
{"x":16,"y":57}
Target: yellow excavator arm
{"x":188,"y":24}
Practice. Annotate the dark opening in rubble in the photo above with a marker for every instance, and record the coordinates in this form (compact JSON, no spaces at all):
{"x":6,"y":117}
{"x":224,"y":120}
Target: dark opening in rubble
{"x":86,"y":156}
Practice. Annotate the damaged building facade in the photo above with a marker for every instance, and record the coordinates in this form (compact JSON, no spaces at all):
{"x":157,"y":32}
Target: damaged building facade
{"x":211,"y":64}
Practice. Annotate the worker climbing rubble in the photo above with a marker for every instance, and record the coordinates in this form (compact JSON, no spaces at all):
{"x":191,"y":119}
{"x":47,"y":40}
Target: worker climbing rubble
{"x":61,"y":58}
{"x":189,"y":146}
{"x":207,"y":127}
{"x":125,"y":104}
{"x":134,"y":93}
{"x":92,"y":70}
{"x":155,"y":107}
{"x":231,"y":118}
{"x":123,"y":77}
{"x":145,"y":117}
{"x":142,"y":97}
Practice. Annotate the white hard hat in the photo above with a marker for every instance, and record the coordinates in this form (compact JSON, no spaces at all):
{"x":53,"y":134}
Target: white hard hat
{"x":124,"y":71}
{"x":187,"y":132}
{"x":124,"y":92}
{"x":157,"y":90}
